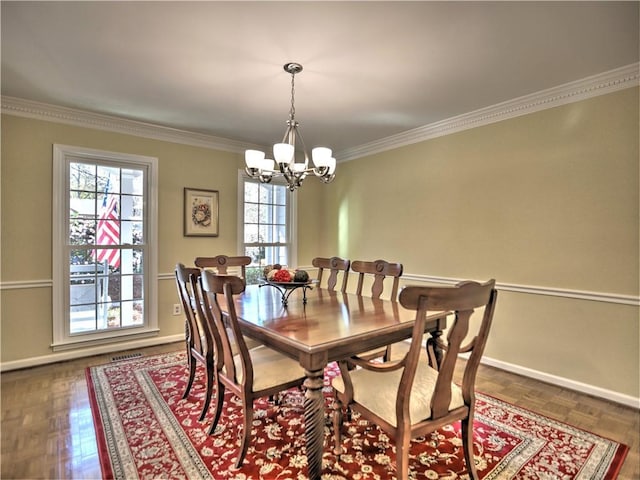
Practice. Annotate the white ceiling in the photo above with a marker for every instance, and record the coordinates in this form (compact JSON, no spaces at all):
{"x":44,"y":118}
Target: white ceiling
{"x":371,"y":69}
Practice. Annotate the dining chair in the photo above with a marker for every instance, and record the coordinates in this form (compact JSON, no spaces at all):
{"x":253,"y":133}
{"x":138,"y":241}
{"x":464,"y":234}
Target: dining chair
{"x":221,"y":264}
{"x":198,"y":335}
{"x":409,"y":398}
{"x":251,"y":373}
{"x":379,"y":269}
{"x":334,"y":265}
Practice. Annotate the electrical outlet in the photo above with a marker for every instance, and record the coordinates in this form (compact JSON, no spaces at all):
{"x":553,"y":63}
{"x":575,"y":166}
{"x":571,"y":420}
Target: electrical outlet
{"x":176,"y":309}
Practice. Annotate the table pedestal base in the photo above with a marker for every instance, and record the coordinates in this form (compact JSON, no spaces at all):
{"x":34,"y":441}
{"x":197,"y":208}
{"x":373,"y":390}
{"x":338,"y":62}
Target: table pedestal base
{"x":314,"y":421}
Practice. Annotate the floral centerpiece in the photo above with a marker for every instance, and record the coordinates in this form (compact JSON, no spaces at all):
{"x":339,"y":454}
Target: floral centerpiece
{"x":286,"y":281}
{"x":276,"y":273}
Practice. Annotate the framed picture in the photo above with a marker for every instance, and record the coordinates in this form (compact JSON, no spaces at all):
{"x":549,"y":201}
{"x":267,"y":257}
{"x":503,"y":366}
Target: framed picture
{"x":200,"y":213}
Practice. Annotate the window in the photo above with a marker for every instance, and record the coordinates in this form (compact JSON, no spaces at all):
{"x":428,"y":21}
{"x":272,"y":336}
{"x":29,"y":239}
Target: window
{"x":104,"y":246}
{"x":267,"y":213}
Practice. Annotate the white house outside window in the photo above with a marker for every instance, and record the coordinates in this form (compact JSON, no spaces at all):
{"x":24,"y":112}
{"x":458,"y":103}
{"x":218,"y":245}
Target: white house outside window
{"x":104,"y":245}
{"x":267,"y":212}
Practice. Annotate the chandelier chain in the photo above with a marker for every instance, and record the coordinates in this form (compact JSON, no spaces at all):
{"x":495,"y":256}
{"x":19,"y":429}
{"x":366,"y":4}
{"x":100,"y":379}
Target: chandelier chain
{"x":292,"y":111}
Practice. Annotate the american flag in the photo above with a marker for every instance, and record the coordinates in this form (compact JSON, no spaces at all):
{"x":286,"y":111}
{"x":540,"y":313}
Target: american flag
{"x":108,"y":231}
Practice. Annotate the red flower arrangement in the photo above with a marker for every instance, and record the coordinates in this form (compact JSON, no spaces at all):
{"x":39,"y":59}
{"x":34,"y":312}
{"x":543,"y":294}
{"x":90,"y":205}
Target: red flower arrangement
{"x":282,"y":276}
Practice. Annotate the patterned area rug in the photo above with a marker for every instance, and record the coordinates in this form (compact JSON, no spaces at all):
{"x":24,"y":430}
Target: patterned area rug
{"x":145,"y":430}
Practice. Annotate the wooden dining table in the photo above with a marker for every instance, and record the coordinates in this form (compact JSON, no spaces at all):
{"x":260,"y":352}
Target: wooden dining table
{"x":330,"y":326}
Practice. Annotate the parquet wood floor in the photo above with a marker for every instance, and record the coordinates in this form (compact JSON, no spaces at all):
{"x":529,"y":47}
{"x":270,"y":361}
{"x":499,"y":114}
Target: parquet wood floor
{"x":47,"y":429}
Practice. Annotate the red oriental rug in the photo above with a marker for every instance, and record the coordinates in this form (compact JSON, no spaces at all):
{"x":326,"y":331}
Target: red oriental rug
{"x":146,"y":430}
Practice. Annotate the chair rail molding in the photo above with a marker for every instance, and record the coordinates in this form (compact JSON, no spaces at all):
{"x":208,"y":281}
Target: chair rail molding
{"x":633,"y":300}
{"x":618,"y":298}
{"x":22,"y":284}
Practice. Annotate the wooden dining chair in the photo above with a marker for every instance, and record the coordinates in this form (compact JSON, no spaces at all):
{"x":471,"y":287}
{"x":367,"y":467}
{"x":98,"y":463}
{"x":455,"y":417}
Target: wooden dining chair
{"x":409,"y":398}
{"x":222,"y":263}
{"x":379,"y":269}
{"x":198,"y":336}
{"x":335,"y":265}
{"x":251,"y":373}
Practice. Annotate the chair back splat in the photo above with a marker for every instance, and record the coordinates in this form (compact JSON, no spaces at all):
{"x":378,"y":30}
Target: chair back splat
{"x":414,"y":396}
{"x":221,"y":264}
{"x":380,"y":269}
{"x":334,"y":265}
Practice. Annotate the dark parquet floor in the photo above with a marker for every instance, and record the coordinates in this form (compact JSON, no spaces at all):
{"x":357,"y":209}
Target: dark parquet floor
{"x":47,"y":429}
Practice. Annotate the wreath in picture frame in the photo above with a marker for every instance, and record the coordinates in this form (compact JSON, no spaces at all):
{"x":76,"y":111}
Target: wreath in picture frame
{"x":201,"y":214}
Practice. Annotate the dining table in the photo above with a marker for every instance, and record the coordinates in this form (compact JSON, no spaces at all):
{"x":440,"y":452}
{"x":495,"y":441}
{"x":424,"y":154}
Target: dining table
{"x":329,"y":326}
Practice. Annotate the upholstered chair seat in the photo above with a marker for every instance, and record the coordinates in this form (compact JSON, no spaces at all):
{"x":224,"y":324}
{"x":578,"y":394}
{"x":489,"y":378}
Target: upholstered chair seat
{"x":269,"y":368}
{"x":378,"y":392}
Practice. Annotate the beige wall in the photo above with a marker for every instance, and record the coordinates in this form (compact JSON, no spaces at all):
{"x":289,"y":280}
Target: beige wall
{"x":27,"y":147}
{"x":546,"y":200}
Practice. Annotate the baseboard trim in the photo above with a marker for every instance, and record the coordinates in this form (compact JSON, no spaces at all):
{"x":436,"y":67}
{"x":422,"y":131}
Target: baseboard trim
{"x":598,"y":392}
{"x":603,"y":393}
{"x":88,"y":352}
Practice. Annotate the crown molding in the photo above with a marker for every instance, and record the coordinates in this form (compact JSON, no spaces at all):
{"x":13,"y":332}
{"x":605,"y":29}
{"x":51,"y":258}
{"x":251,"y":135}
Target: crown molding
{"x":607,"y":82}
{"x":80,"y":118}
{"x":601,"y":84}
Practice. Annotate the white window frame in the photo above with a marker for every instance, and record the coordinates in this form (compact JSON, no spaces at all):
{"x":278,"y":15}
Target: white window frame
{"x":62,"y":156}
{"x":292,"y":217}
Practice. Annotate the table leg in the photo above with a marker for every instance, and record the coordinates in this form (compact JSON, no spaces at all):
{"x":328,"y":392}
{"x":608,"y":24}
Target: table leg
{"x":435,"y":361}
{"x":314,"y":422}
{"x":434,"y":344}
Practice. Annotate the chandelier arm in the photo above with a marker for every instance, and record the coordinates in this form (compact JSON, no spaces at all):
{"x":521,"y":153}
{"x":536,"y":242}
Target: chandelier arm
{"x":320,"y":171}
{"x":304,"y":147}
{"x":288,"y":132}
{"x":286,"y":173}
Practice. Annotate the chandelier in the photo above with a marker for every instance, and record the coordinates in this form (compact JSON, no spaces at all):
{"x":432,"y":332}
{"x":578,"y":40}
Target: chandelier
{"x":284,"y":163}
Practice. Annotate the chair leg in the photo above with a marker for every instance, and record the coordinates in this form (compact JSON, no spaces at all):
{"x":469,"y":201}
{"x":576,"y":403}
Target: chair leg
{"x":219,"y":403}
{"x":466,"y":427}
{"x":192,"y":374}
{"x":246,"y":431}
{"x":208,"y":394}
{"x":403,"y":442}
{"x":337,"y":427}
